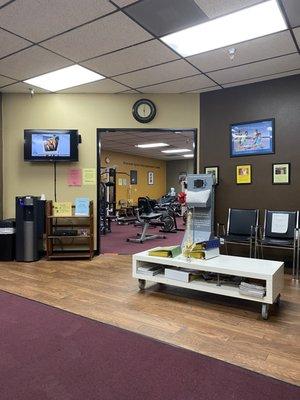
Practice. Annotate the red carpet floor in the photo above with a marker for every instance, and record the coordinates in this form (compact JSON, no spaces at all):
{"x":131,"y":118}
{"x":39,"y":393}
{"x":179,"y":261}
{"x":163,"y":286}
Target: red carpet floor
{"x":115,"y":242}
{"x":50,"y":354}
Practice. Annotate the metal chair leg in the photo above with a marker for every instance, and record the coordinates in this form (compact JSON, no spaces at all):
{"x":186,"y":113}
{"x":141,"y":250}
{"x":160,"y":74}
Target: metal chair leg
{"x":295,"y":255}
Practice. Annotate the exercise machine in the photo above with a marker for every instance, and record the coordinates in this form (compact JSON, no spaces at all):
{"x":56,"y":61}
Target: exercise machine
{"x":146,"y":215}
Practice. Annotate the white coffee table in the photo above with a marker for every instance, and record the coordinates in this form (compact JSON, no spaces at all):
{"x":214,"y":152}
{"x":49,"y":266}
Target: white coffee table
{"x":272,"y":272}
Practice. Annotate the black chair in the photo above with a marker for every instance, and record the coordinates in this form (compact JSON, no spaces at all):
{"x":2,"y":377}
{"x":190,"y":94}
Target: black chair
{"x":146,"y":215}
{"x":281,"y":235}
{"x":241,"y":228}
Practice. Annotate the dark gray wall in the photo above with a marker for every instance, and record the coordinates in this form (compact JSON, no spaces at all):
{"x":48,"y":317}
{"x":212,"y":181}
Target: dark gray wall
{"x":174,"y":169}
{"x":278,"y":98}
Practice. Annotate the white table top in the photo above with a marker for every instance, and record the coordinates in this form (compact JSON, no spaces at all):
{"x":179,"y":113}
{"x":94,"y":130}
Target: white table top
{"x":231,"y":265}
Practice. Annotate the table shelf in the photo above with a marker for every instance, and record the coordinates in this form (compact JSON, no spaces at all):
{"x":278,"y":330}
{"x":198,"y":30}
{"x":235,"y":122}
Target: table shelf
{"x":270,"y":272}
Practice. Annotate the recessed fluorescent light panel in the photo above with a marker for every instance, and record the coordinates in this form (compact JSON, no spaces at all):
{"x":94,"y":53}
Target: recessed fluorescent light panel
{"x":64,"y":78}
{"x":171,"y":151}
{"x":151,"y":145}
{"x":188,"y":155}
{"x":249,"y":23}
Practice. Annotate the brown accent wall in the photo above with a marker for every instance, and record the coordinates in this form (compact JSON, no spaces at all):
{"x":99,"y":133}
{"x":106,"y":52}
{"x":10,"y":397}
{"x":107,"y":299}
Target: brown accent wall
{"x":278,"y":98}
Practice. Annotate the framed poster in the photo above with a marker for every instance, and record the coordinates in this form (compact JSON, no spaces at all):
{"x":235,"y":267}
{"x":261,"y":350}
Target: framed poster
{"x":252,"y":138}
{"x":150,"y":178}
{"x":214,"y":171}
{"x":281,"y":174}
{"x":243,"y":174}
{"x":133,"y":177}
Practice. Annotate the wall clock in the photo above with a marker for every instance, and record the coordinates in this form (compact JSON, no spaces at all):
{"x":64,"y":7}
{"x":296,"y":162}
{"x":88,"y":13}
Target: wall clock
{"x":144,"y":111}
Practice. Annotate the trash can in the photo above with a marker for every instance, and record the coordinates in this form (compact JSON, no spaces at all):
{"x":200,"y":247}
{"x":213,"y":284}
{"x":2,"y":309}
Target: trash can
{"x":7,"y":240}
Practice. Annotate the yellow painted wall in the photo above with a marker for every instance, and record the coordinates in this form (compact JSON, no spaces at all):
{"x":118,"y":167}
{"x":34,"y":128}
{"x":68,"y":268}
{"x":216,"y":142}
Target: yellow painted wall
{"x":127,"y":162}
{"x":85,"y":112}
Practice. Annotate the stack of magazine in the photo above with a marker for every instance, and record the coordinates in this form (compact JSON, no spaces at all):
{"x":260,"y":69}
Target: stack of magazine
{"x":206,"y":249}
{"x":150,"y":270}
{"x":171,"y":251}
{"x":249,"y":289}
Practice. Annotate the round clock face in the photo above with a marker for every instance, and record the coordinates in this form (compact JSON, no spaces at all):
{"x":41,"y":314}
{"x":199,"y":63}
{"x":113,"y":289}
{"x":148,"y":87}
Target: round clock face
{"x":144,"y":110}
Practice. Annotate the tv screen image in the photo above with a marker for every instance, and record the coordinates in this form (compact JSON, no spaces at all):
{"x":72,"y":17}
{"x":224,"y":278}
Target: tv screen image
{"x":50,"y":145}
{"x":252,"y":138}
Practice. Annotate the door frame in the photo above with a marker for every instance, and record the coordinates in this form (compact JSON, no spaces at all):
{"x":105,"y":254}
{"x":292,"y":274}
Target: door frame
{"x":98,"y":157}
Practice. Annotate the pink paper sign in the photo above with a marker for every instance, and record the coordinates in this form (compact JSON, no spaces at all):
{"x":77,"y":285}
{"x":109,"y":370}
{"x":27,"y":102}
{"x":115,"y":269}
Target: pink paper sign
{"x":74,"y":177}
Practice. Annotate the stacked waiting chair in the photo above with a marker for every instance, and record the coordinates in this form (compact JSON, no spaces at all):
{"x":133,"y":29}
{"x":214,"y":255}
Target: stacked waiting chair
{"x":242,"y":228}
{"x":284,"y":237}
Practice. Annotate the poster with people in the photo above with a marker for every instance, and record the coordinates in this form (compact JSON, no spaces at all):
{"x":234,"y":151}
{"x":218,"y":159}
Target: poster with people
{"x":251,"y":138}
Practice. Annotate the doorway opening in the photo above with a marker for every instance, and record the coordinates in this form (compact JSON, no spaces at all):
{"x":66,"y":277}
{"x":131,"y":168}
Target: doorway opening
{"x":141,"y":163}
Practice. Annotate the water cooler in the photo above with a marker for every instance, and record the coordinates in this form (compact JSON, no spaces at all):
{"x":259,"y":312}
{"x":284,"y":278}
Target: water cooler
{"x":30,"y":223}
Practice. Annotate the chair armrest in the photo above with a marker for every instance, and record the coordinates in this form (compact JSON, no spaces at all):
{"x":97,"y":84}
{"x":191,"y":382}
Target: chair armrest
{"x":258,"y":231}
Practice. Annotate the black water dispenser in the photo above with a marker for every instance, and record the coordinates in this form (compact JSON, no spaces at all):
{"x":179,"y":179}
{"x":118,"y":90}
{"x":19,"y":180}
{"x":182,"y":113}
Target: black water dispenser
{"x":30,"y":226}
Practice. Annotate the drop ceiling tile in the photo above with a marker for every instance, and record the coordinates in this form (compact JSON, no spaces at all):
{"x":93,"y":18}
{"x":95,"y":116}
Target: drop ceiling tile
{"x":3,"y":2}
{"x":297,"y":35}
{"x":22,"y":87}
{"x":258,"y":69}
{"x":37,"y":20}
{"x":31,"y":62}
{"x":160,"y":73}
{"x":103,"y":36}
{"x":133,"y":58}
{"x":165,"y":16}
{"x":124,"y":3}
{"x":5,"y":81}
{"x":180,"y":85}
{"x":10,"y":43}
{"x":216,"y":8}
{"x":264,"y":78}
{"x":102,"y":86}
{"x":292,"y":8}
{"x":253,"y":50}
{"x":209,"y":89}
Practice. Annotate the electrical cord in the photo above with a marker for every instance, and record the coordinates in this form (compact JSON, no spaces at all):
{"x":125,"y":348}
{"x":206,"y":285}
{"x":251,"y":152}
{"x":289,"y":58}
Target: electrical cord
{"x":54,"y":165}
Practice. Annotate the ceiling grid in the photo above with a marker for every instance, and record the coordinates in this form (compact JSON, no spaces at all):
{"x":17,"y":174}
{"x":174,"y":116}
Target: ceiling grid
{"x":121,"y":40}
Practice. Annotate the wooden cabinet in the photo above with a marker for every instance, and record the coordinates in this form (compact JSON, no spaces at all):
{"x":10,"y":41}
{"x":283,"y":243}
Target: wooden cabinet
{"x":69,"y":236}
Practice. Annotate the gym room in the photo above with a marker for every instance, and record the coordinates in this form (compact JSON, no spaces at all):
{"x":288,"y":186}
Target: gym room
{"x":149,"y":199}
{"x":142,"y":187}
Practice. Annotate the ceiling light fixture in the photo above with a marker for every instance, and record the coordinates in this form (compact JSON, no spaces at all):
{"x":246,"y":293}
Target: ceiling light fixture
{"x":188,"y":155}
{"x":151,"y":145}
{"x":171,"y":151}
{"x":64,"y":78}
{"x":252,"y":22}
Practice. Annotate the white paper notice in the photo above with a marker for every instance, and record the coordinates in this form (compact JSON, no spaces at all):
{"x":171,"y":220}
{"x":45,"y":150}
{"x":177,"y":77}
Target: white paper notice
{"x":280,"y":223}
{"x":197,"y":197}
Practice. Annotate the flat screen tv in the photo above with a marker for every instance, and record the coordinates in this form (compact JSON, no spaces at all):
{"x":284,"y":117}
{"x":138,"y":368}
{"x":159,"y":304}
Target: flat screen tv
{"x":252,"y":138}
{"x":51,"y":145}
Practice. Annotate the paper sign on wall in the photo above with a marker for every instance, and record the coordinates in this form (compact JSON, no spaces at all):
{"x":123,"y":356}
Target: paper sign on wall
{"x":74,"y":177}
{"x":89,"y":176}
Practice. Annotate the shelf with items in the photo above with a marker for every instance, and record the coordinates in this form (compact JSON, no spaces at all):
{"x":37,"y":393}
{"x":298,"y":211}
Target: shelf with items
{"x":82,"y":241}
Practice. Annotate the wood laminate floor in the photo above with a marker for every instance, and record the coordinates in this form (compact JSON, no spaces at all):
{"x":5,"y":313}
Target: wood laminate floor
{"x":227,"y":329}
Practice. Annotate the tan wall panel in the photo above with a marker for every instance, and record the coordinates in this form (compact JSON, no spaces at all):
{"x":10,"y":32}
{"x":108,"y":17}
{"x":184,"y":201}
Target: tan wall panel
{"x":127,"y":162}
{"x":85,"y":112}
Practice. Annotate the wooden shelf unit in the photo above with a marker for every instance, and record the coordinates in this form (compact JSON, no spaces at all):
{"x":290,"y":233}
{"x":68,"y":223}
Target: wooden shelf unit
{"x":82,"y":222}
